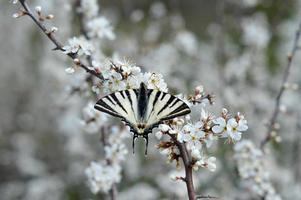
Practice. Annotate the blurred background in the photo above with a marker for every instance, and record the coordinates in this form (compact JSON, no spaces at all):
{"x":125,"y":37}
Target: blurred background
{"x":236,"y":49}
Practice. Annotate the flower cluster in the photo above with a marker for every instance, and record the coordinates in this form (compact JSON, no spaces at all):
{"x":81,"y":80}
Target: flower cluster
{"x":231,"y":128}
{"x":79,"y":46}
{"x":100,"y":27}
{"x":200,"y":135}
{"x":123,"y":75}
{"x":92,"y":119}
{"x":89,"y":8}
{"x":102,"y":176}
{"x":250,"y":162}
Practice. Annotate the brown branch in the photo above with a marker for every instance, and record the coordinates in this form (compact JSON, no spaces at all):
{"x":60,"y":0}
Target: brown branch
{"x":271,"y":125}
{"x":54,"y":40}
{"x":205,"y":197}
{"x":188,"y":168}
{"x":103,"y":139}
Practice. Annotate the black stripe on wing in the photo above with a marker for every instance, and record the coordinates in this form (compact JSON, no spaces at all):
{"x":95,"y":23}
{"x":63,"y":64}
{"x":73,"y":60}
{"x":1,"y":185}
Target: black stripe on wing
{"x":118,"y":102}
{"x":101,"y":105}
{"x":183,"y":109}
{"x":171,"y":98}
{"x":101,"y":108}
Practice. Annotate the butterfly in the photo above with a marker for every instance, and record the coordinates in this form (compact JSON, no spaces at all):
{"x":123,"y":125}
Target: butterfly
{"x":142,"y":109}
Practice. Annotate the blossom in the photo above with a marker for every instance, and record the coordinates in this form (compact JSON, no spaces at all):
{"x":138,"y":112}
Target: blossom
{"x":133,"y":82}
{"x":78,"y":45}
{"x":92,"y":119}
{"x":192,"y":134}
{"x":100,"y":27}
{"x":89,"y":8}
{"x":255,"y":31}
{"x":117,"y":82}
{"x":101,"y":176}
{"x":158,"y":10}
{"x":164,"y":127}
{"x":250,"y":164}
{"x":156,"y":81}
{"x":70,"y":70}
{"x":231,"y":128}
{"x":220,"y":125}
{"x":208,"y":163}
{"x":235,"y":129}
{"x":195,"y":133}
{"x":116,"y":152}
{"x":187,"y":42}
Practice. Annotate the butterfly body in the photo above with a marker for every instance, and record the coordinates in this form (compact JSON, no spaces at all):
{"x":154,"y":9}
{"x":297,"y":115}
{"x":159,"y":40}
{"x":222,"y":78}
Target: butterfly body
{"x":142,"y":109}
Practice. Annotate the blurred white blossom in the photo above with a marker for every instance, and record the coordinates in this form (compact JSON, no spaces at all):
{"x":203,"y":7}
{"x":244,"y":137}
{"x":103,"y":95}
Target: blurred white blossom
{"x":78,"y":45}
{"x":101,"y":176}
{"x":89,"y":8}
{"x":101,"y":28}
{"x":250,"y":162}
{"x":255,"y":32}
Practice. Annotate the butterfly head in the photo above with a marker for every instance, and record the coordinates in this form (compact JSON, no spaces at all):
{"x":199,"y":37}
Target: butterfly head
{"x":141,"y":128}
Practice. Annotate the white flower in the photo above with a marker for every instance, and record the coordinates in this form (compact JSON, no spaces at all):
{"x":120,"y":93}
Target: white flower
{"x":135,"y":70}
{"x":92,"y":119}
{"x":100,"y":27}
{"x":38,"y":9}
{"x":101,"y":176}
{"x":137,"y":16}
{"x":209,"y":140}
{"x":95,"y":89}
{"x":117,"y":84}
{"x":158,"y":10}
{"x":164,"y":127}
{"x":70,"y":70}
{"x":78,"y":45}
{"x":234,"y":129}
{"x":208,"y":163}
{"x":89,"y":8}
{"x":255,"y":31}
{"x":211,"y":164}
{"x":220,"y":125}
{"x":250,"y":3}
{"x":116,"y":152}
{"x":156,"y":81}
{"x":196,"y":153}
{"x":183,"y":137}
{"x":194,"y":135}
{"x":158,"y":135}
{"x":251,"y":168}
{"x":187,"y":42}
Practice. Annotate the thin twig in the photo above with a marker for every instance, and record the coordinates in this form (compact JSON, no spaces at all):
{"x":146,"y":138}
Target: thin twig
{"x":51,"y":36}
{"x":206,"y":197}
{"x":271,"y":125}
{"x":187,"y":166}
{"x":103,"y":139}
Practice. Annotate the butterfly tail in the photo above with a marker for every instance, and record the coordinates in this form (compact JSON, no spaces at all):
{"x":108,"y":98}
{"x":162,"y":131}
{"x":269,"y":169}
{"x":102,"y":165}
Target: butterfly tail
{"x":146,"y":144}
{"x":133,"y":143}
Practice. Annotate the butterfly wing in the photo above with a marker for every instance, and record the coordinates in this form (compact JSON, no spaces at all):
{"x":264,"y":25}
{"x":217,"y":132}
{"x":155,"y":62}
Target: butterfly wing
{"x":122,"y":104}
{"x":163,"y":106}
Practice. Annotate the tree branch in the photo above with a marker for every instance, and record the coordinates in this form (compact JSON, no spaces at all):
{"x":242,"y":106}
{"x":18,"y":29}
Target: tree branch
{"x":205,"y":197}
{"x":188,"y":168}
{"x":271,"y":125}
{"x":54,"y":40}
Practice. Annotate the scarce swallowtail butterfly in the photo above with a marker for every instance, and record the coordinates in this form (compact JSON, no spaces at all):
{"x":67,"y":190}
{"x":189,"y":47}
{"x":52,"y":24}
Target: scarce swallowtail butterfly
{"x":142,"y":109}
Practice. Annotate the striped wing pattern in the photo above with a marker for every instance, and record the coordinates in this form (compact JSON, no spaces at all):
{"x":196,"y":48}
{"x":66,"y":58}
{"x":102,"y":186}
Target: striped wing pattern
{"x":122,"y":104}
{"x":163,"y":106}
{"x":142,"y":109}
{"x":160,"y":106}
